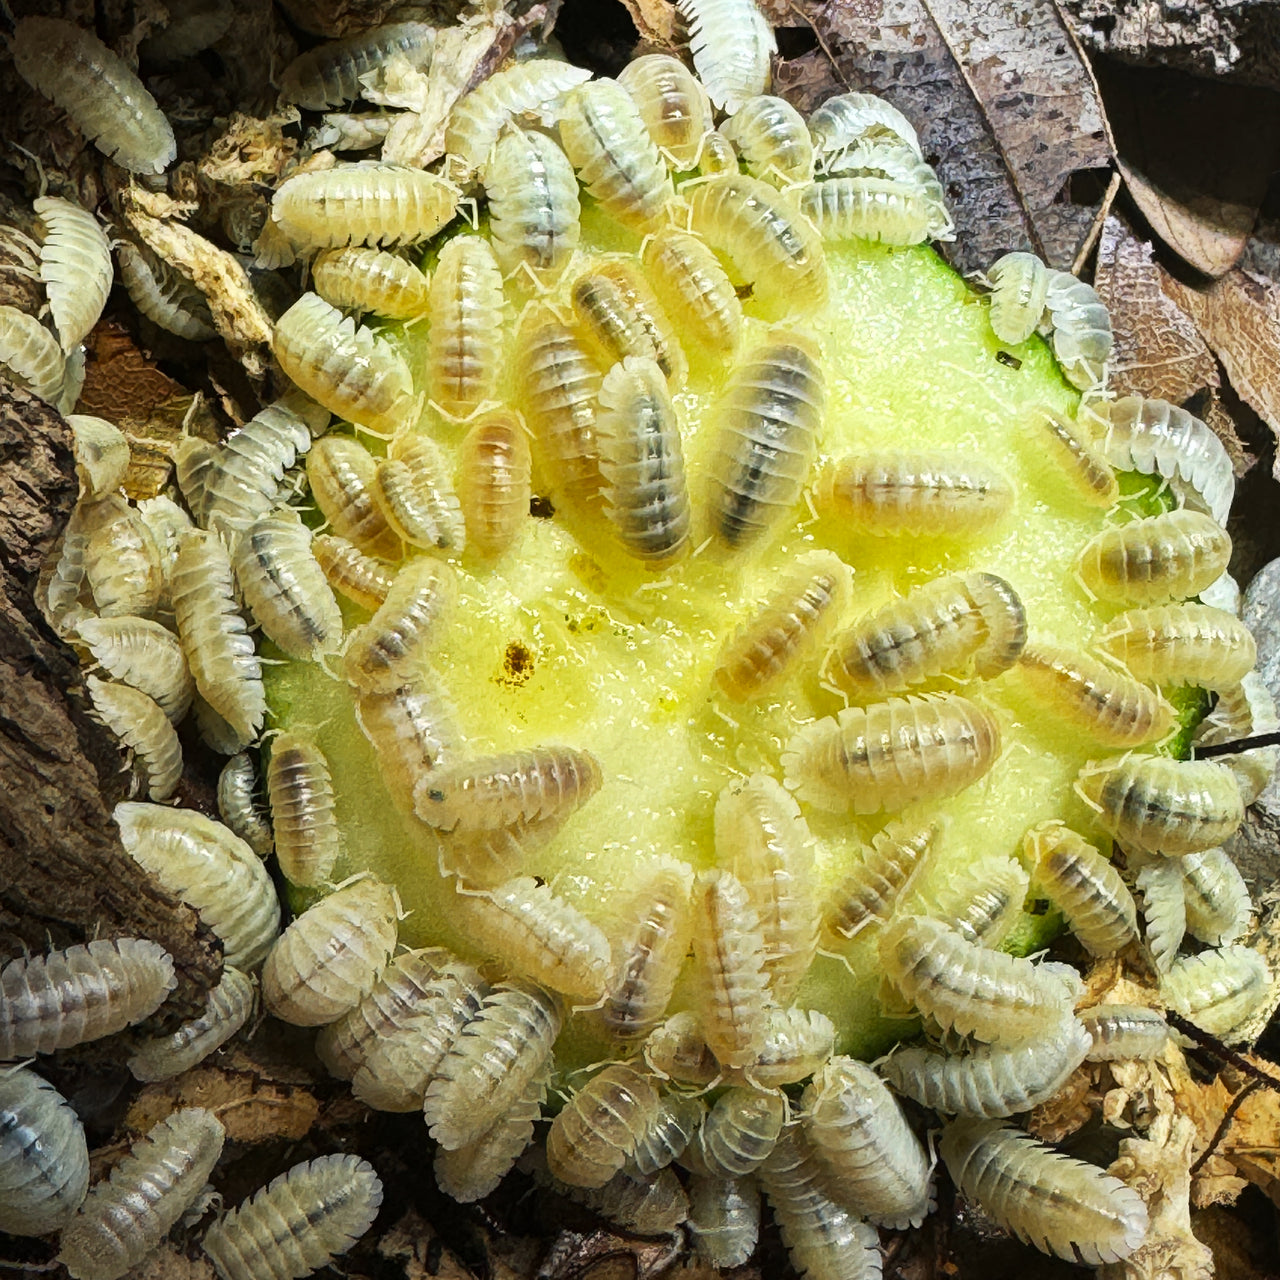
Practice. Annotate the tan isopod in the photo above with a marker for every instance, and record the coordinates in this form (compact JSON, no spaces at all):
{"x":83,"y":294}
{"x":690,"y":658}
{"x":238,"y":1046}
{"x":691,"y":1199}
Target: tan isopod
{"x":346,"y":367}
{"x":1084,"y":886}
{"x":894,"y":494}
{"x":209,"y":868}
{"x":1060,"y":1205}
{"x":127,"y":1216}
{"x":892,"y":753}
{"x":467,"y":316}
{"x":1108,"y":705}
{"x":82,"y":993}
{"x":794,"y":618}
{"x":1121,"y":1031}
{"x":362,"y":579}
{"x":341,"y":473}
{"x":494,"y":481}
{"x":677,"y":1050}
{"x":620,"y":315}
{"x":731,"y":42}
{"x":738,"y":1134}
{"x":600,"y":1126}
{"x":1158,"y":559}
{"x":871,"y":890}
{"x":668,"y":1134}
{"x":227,"y":1008}
{"x":411,"y":729}
{"x":121,"y":561}
{"x":75,"y":265}
{"x":167,"y":298}
{"x":1178,"y":644}
{"x":981,"y":903}
{"x":143,"y":654}
{"x":940,"y":627}
{"x":305,"y":827}
{"x":762,"y":838}
{"x":414,"y":489}
{"x":1074,"y":457}
{"x":1218,"y":990}
{"x":604,"y":135}
{"x":331,"y":73}
{"x":360,"y":279}
{"x":796,"y":1043}
{"x":330,"y":956}
{"x":1081,"y":330}
{"x":96,"y":88}
{"x":772,"y":248}
{"x":672,"y":103}
{"x":311,"y":1214}
{"x":1217,"y":899}
{"x":773,"y":139}
{"x":694,"y":289}
{"x":30,"y":353}
{"x":102,"y":454}
{"x":141,"y":724}
{"x":1158,"y":805}
{"x":724,"y":1219}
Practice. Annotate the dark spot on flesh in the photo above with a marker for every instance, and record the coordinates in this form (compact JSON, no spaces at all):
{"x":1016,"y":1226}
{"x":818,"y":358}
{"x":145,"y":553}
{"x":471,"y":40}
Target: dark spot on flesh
{"x":1005,"y":358}
{"x":541,"y":508}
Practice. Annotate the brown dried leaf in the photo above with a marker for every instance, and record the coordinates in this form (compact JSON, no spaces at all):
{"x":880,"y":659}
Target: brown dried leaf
{"x":655,"y":20}
{"x":251,"y":1109}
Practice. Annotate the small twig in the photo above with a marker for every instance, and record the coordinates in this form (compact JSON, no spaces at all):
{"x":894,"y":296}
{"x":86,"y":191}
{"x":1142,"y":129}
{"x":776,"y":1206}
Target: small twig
{"x":793,"y":8}
{"x":1225,"y":1123}
{"x":1220,"y":1050}
{"x":1241,"y":744}
{"x":1095,"y":229}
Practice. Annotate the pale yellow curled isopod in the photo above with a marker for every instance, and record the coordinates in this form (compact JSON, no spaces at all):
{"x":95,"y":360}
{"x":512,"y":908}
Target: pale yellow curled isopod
{"x":645,"y":493}
{"x":773,"y":248}
{"x":962,"y":622}
{"x":718,"y":155}
{"x":494,"y":481}
{"x":1072,"y":455}
{"x":533,"y":932}
{"x":1081,"y":330}
{"x":1155,"y":560}
{"x":694,"y":289}
{"x":96,"y":88}
{"x":141,"y":724}
{"x":1164,"y":910}
{"x":600,"y":1125}
{"x":534,"y":208}
{"x":1019,"y":283}
{"x":411,"y":730}
{"x":769,"y":417}
{"x":763,"y":839}
{"x":981,"y":903}
{"x":894,"y":494}
{"x":211,"y":869}
{"x":1218,"y":990}
{"x":621,"y":317}
{"x":1108,"y":705}
{"x":361,"y":279}
{"x":75,"y":265}
{"x":220,"y":651}
{"x":193,"y":463}
{"x":1060,"y":1205}
{"x":143,"y":654}
{"x":869,"y":207}
{"x":30,"y":353}
{"x":892,"y":753}
{"x":724,"y":1219}
{"x":227,"y":1008}
{"x":326,"y":961}
{"x":331,"y":73}
{"x":887,"y":865}
{"x":604,"y":136}
{"x":738,"y":1134}
{"x":386,"y":652}
{"x":298,"y":1223}
{"x":1176,"y":644}
{"x":284,"y":587}
{"x":102,"y":454}
{"x":1217,"y":898}
{"x":346,"y":367}
{"x":238,"y":804}
{"x":303,"y":821}
{"x":963,"y":986}
{"x":1158,"y":805}
{"x":126,"y":1217}
{"x":668,"y":1134}
{"x":44,"y":1160}
{"x":730,"y":980}
{"x":731,"y":42}
{"x":851,"y":119}
{"x":360,"y":578}
{"x":796,"y":1043}
{"x":467,"y":318}
{"x":60,"y":588}
{"x":860,"y":1136}
{"x":121,"y":561}
{"x":1122,"y":1031}
{"x":773,"y":139}
{"x":413,"y":487}
{"x":672,"y":103}
{"x":341,"y":473}
{"x":81,"y":993}
{"x":676,"y":1050}
{"x":504,"y":1047}
{"x":1084,"y":886}
{"x":167,"y":298}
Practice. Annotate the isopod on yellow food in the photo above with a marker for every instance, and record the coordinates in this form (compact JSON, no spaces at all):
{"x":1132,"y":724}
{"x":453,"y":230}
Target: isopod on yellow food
{"x":414,"y":490}
{"x":494,"y":481}
{"x":1176,"y":644}
{"x":300,"y":792}
{"x":1074,"y":456}
{"x":695,"y":290}
{"x":878,"y":209}
{"x":361,"y":279}
{"x":362,"y":579}
{"x":1019,"y":283}
{"x":622,"y":318}
{"x":341,"y":473}
{"x":887,"y":866}
{"x":411,"y":729}
{"x":1151,"y":561}
{"x":464,"y":340}
{"x":772,"y":138}
{"x":672,"y":103}
{"x":600,"y":1126}
{"x":981,"y":902}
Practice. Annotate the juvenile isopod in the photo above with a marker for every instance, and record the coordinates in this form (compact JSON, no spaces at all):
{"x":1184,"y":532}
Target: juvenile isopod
{"x":341,"y":473}
{"x":1164,"y":910}
{"x":948,"y":495}
{"x":81,"y":993}
{"x":731,"y":43}
{"x":331,"y":73}
{"x":871,"y":889}
{"x":300,"y":792}
{"x":1155,"y":560}
{"x":44,"y":1161}
{"x":143,"y":654}
{"x":141,"y":724}
{"x":220,"y":651}
{"x":330,"y":956}
{"x":104,"y":98}
{"x":30,"y":353}
{"x":652,"y":1206}
{"x":167,"y":298}
{"x":677,"y":1050}
{"x":1158,"y":805}
{"x":1217,"y":898}
{"x":535,"y":933}
{"x":1181,"y":644}
{"x":1019,"y":284}
{"x":646,"y":496}
{"x":238,"y":804}
{"x":981,"y":902}
{"x":414,"y":490}
{"x":533,"y":205}
{"x":1081,"y":330}
{"x":346,"y":367}
{"x":209,"y":868}
{"x":411,"y":729}
{"x":1073,"y":455}
{"x":620,"y":315}
{"x":1121,"y":1031}
{"x":227,"y":1008}
{"x":796,"y":1043}
{"x":724,"y":1219}
{"x":167,"y":522}
{"x":770,"y":415}
{"x":1111,"y":707}
{"x":869,"y":207}
{"x":1241,"y":711}
{"x":963,"y":986}
{"x":126,"y":1216}
{"x":360,"y":279}
{"x":773,"y":139}
{"x":362,"y":579}
{"x":600,"y":1126}
{"x":892,"y":753}
{"x":668,"y":1134}
{"x":1084,"y":886}
{"x":694,"y":289}
{"x":1060,"y":1205}
{"x":75,"y":265}
{"x":772,"y":248}
{"x":738,"y":1134}
{"x":605,"y":137}
{"x":298,"y":1223}
{"x":1217,"y":990}
{"x":121,"y":561}
{"x":672,"y":103}
{"x":850,"y":119}
{"x":464,"y":341}
{"x":494,"y":481}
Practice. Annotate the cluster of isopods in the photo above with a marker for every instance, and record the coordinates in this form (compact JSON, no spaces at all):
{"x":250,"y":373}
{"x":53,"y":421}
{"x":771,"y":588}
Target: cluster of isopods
{"x":155,"y":595}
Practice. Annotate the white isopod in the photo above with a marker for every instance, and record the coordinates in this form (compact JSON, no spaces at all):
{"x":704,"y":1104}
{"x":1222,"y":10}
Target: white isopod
{"x":1019,"y":284}
{"x":162,"y":294}
{"x":731,"y":42}
{"x":1218,"y":990}
{"x":227,"y":1008}
{"x":1081,"y":330}
{"x":851,"y":119}
{"x":141,"y":724}
{"x":238,"y":804}
{"x":143,"y":654}
{"x":75,"y":265}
